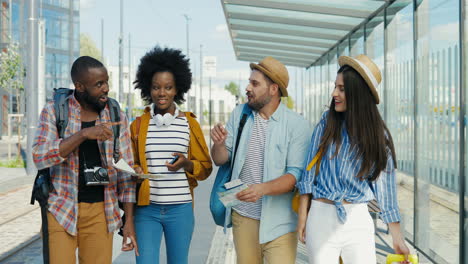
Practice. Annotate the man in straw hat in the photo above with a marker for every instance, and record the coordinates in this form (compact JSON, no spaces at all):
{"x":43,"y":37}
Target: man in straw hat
{"x":270,"y":159}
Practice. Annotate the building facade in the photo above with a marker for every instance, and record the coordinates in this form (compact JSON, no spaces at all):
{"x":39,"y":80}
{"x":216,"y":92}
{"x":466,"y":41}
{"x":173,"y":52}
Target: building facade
{"x":59,"y":40}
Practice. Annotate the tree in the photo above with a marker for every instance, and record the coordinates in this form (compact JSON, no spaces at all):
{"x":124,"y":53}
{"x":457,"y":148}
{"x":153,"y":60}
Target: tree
{"x":232,"y":88}
{"x":88,"y":47}
{"x":288,"y":101}
{"x":12,"y":74}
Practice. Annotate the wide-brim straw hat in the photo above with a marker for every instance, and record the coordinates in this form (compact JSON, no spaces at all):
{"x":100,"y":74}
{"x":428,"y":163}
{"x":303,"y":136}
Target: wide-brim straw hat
{"x":276,"y":71}
{"x":367,"y":69}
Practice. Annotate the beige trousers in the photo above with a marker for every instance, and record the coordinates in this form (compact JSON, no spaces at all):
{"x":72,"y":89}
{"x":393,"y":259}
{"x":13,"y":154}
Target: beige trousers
{"x":93,"y":241}
{"x":249,"y":251}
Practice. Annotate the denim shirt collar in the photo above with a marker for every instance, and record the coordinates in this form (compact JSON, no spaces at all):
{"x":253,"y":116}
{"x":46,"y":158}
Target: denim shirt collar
{"x":276,"y":116}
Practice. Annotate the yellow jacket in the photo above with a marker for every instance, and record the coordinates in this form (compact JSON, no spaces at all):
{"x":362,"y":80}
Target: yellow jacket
{"x":197,"y":153}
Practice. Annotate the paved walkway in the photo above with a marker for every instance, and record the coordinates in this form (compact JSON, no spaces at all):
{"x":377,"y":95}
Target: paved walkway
{"x":19,"y":221}
{"x":222,"y":248}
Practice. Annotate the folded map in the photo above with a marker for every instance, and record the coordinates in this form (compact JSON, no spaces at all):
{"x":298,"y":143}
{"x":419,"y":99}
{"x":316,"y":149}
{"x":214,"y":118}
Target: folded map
{"x":122,"y":165}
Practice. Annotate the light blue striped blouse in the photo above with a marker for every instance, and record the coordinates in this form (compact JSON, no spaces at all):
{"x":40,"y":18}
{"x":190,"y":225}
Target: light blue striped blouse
{"x":337,"y":179}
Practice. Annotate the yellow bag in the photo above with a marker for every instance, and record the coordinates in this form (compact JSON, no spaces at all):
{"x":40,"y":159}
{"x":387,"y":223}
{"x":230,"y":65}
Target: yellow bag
{"x":316,"y":160}
{"x":397,"y":258}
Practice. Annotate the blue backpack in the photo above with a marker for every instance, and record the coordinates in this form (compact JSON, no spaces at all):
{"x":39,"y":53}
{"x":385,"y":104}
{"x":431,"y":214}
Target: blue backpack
{"x":218,"y":211}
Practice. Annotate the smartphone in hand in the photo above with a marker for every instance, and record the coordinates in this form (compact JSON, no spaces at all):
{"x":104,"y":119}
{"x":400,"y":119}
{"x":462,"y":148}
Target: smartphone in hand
{"x":174,"y":159}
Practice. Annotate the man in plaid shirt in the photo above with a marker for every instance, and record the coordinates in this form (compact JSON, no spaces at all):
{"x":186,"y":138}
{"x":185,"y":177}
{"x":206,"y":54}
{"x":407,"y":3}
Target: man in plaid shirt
{"x":79,"y":215}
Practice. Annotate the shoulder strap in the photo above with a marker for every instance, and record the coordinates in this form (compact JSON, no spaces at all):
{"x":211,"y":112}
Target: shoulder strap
{"x":61,"y":116}
{"x":61,"y":109}
{"x":114,"y":111}
{"x":245,"y":113}
{"x":316,"y":161}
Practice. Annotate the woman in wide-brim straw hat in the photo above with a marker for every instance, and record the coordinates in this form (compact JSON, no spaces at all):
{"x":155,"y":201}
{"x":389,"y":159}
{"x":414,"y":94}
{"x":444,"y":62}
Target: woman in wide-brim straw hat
{"x":356,"y":164}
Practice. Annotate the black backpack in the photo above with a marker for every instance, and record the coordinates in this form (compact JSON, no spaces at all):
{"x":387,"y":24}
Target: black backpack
{"x":42,"y":184}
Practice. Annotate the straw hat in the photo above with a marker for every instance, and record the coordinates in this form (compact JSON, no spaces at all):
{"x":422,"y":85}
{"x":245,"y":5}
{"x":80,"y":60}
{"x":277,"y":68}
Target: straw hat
{"x":367,"y":69}
{"x":276,"y":71}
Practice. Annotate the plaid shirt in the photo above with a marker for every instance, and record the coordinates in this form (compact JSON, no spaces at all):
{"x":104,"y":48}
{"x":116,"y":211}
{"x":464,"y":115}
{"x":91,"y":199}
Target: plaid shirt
{"x":63,"y":199}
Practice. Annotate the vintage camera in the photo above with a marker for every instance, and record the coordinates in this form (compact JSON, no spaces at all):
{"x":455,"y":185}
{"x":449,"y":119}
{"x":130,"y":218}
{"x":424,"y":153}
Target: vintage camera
{"x":96,"y":176}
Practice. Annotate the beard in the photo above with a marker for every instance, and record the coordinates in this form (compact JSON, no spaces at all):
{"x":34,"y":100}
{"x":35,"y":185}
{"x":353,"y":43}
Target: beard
{"x":260,"y":103}
{"x":91,"y":101}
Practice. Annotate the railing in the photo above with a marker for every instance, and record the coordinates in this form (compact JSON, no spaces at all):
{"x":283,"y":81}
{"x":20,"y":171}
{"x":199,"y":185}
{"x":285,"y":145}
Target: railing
{"x":437,"y":115}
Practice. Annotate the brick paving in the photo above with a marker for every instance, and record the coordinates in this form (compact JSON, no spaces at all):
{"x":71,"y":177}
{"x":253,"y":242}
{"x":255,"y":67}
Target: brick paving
{"x":20,"y":222}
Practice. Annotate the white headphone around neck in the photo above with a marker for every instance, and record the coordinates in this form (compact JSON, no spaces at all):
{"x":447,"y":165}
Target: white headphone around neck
{"x":166,"y":119}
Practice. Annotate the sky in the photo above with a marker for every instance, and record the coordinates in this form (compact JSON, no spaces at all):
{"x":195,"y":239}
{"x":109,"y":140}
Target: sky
{"x":154,"y":22}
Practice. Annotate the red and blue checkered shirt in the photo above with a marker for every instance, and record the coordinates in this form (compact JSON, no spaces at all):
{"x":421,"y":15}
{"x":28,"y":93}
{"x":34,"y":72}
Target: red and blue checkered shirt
{"x":63,"y":199}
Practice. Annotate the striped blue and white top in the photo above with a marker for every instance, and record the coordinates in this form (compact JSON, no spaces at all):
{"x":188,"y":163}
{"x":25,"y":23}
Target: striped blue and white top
{"x":252,"y":171}
{"x":161,"y":142}
{"x":337,"y":179}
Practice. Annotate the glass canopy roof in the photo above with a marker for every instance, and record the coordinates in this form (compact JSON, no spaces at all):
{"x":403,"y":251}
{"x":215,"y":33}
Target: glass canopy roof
{"x":298,"y":32}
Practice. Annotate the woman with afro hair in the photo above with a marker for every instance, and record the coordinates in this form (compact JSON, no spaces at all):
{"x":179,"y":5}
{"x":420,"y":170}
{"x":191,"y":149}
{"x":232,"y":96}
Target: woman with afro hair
{"x":168,"y":143}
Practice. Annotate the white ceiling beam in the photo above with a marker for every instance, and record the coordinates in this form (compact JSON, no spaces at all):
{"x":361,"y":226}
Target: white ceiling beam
{"x":300,"y":56}
{"x":289,"y":32}
{"x":286,"y":62}
{"x":292,"y":21}
{"x":276,"y":56}
{"x":276,"y":46}
{"x":306,"y":43}
{"x":312,"y":7}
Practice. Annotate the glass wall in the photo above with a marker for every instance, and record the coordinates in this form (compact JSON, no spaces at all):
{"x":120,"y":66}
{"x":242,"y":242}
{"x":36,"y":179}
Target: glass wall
{"x":400,"y":103}
{"x":318,"y":92}
{"x":343,"y":48}
{"x":306,"y":93}
{"x":357,"y":42}
{"x":314,"y":94}
{"x":464,"y":75}
{"x":332,"y":69}
{"x":294,"y":93}
{"x":437,"y":129}
{"x":304,"y":83}
{"x":322,"y":85}
{"x":325,"y":86}
{"x":417,"y":49}
{"x":375,"y":50}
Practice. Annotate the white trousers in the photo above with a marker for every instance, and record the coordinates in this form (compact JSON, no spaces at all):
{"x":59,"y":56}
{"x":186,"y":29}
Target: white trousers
{"x":327,"y":238}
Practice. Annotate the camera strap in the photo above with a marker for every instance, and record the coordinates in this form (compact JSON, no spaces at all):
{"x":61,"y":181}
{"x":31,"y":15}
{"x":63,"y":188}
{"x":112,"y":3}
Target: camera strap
{"x":84,"y":159}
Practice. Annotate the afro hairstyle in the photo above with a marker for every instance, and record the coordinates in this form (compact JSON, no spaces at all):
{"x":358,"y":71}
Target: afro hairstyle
{"x":163,"y":60}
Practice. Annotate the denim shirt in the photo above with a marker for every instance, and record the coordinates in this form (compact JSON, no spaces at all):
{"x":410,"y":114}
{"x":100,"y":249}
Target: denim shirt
{"x":337,"y":181}
{"x":286,"y":148}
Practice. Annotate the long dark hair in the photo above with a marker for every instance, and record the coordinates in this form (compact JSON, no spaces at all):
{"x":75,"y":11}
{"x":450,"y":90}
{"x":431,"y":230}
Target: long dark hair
{"x":367,"y":131}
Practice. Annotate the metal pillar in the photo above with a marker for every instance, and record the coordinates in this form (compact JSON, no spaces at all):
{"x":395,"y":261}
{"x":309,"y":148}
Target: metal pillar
{"x":32,"y":80}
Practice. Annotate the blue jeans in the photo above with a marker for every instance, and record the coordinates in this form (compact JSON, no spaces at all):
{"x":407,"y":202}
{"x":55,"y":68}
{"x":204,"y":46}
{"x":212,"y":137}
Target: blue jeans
{"x":177,"y":223}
